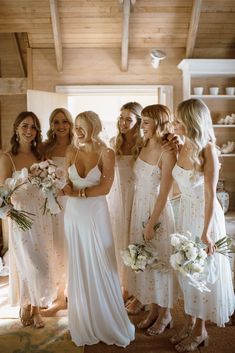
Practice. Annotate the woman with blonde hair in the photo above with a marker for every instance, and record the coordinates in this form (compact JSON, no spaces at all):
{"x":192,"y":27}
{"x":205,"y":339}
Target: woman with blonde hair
{"x":60,"y":136}
{"x":31,"y":279}
{"x":197,"y":172}
{"x":96,"y":310}
{"x":126,"y":145}
{"x":153,"y":181}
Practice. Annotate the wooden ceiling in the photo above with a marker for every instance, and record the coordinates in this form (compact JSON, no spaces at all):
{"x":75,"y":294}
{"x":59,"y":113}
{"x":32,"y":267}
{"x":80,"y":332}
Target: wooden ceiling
{"x":162,"y":24}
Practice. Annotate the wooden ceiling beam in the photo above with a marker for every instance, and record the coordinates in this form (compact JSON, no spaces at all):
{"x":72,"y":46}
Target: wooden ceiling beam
{"x":56,"y":34}
{"x":126,"y":7}
{"x":193,"y":28}
{"x":19,"y":55}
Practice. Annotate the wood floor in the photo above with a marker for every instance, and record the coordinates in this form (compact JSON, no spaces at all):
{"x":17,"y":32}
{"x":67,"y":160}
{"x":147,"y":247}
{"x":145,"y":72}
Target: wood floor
{"x":222,"y":340}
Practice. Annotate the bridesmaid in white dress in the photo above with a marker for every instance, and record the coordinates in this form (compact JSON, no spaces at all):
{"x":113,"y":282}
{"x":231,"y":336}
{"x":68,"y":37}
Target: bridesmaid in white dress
{"x":60,"y":136}
{"x":196,"y":173}
{"x":153,"y":178}
{"x":126,"y":146}
{"x":31,"y":279}
{"x":96,"y":309}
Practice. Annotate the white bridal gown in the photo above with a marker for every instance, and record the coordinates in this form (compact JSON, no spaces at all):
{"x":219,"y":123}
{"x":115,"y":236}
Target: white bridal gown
{"x":60,"y":245}
{"x":31,"y":274}
{"x":151,"y":286}
{"x":218,"y":304}
{"x":120,"y":200}
{"x":96,"y":310}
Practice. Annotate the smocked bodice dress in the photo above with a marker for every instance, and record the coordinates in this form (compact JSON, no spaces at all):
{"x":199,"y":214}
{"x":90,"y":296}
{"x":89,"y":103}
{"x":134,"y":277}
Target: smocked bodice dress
{"x":31,"y":270}
{"x":151,"y":286}
{"x":218,"y":304}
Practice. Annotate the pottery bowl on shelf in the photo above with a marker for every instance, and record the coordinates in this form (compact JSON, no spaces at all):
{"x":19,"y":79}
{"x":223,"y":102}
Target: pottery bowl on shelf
{"x":198,"y":90}
{"x":230,"y":90}
{"x":214,"y":90}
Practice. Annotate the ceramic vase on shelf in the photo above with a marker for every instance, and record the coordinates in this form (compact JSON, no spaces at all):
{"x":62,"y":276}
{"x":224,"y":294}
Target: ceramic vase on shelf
{"x":222,"y":195}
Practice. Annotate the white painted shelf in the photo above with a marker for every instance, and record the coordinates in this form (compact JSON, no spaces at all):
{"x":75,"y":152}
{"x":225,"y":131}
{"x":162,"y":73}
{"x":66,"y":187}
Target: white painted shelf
{"x":213,"y":96}
{"x":223,"y":125}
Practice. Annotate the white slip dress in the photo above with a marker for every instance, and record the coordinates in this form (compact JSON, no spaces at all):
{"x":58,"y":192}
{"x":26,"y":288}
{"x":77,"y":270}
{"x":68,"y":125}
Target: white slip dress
{"x":96,"y":310}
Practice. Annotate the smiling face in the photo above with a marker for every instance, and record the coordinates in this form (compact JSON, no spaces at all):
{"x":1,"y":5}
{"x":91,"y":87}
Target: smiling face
{"x":179,"y":128}
{"x":60,"y":125}
{"x":148,"y":126}
{"x":27,"y":130}
{"x":127,"y":121}
{"x":83,"y":130}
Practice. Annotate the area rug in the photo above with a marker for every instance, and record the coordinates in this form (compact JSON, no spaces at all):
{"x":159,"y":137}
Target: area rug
{"x":53,"y":338}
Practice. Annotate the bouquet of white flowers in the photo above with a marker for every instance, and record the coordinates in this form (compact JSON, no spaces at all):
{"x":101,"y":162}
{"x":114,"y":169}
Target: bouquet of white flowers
{"x":192,"y":261}
{"x":49,"y":178}
{"x":21,"y":218}
{"x":141,"y":256}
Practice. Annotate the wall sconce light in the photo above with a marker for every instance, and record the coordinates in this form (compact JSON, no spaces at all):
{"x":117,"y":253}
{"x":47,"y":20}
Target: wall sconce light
{"x":156,"y":55}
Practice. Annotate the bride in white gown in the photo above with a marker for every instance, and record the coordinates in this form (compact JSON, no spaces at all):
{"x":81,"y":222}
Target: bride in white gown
{"x":96,"y":310}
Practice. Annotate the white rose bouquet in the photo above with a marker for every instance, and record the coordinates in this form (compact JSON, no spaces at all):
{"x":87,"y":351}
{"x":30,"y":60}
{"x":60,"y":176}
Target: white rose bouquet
{"x":49,"y":178}
{"x":22,"y":218}
{"x":141,"y":256}
{"x":192,"y":261}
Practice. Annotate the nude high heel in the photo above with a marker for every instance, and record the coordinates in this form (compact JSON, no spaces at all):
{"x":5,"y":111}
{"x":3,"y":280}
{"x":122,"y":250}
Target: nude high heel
{"x":191,"y":343}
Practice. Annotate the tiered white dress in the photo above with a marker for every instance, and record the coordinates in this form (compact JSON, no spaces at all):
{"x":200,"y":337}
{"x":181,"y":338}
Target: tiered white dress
{"x":151,"y":286}
{"x":96,"y":310}
{"x":60,"y":244}
{"x":31,"y":274}
{"x":120,"y":200}
{"x":218,"y":304}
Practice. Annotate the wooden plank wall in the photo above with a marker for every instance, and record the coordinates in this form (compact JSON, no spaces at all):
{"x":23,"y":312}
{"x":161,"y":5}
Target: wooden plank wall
{"x":102,"y":66}
{"x":10,"y":107}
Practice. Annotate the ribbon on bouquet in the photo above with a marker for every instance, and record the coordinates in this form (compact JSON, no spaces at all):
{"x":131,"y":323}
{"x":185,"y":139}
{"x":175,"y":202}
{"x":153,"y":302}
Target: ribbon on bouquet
{"x":51,"y":202}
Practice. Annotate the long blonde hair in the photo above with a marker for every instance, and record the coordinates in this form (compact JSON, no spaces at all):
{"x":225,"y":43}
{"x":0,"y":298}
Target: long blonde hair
{"x":196,"y":118}
{"x":135,"y":108}
{"x":51,"y":137}
{"x":96,"y":124}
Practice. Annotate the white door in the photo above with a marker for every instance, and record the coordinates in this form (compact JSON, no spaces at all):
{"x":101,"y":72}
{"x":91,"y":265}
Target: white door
{"x":42,"y":103}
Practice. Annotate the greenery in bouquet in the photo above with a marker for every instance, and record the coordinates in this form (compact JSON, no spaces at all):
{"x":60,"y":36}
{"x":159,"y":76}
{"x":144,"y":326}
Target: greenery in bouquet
{"x":23,"y":219}
{"x":191,"y":260}
{"x":141,"y":256}
{"x":49,"y":178}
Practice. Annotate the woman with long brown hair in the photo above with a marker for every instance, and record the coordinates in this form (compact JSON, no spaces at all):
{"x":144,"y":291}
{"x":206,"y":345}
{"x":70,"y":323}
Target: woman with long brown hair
{"x":126,"y":145}
{"x":31,"y":280}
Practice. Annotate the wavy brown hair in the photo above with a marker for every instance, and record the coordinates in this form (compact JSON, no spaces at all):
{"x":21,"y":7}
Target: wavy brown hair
{"x":162,"y":116}
{"x":51,"y":137}
{"x":36,"y":143}
{"x":135,"y":108}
